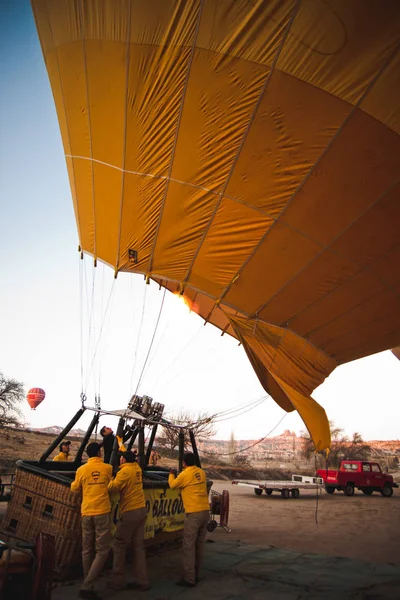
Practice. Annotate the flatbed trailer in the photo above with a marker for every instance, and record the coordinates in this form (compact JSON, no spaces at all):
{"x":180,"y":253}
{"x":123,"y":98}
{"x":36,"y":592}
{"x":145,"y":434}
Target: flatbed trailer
{"x":285,"y":488}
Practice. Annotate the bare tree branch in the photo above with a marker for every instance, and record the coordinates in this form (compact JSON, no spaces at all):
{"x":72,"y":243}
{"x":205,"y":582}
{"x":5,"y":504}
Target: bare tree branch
{"x":11,"y":395}
{"x":202,"y":426}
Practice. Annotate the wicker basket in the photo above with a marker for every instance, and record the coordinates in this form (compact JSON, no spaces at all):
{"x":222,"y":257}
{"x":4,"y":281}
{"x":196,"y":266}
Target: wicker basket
{"x":41,"y":501}
{"x":43,"y":504}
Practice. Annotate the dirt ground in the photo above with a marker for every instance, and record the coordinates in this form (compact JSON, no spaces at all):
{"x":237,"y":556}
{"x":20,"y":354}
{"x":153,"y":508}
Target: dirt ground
{"x":363,"y":527}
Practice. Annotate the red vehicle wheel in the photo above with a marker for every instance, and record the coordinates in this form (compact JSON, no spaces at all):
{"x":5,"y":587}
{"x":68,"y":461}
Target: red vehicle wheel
{"x":387,"y":490}
{"x":349,"y":489}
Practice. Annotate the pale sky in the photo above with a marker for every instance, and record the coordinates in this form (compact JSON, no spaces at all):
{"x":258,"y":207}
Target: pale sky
{"x":190,"y":366}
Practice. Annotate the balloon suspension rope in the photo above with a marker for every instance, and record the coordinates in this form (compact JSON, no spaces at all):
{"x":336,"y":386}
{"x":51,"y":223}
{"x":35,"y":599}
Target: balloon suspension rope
{"x":316,"y":491}
{"x":251,"y":445}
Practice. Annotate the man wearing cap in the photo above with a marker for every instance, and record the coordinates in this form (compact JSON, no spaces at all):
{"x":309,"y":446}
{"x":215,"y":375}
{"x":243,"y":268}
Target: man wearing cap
{"x":92,"y":480}
{"x":63,"y":455}
{"x":130,"y":527}
{"x":193,"y":486}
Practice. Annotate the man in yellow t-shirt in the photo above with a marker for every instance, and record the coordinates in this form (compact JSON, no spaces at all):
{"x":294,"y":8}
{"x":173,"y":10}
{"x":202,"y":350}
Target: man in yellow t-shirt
{"x":130,"y":527}
{"x":63,"y":456}
{"x":92,"y":481}
{"x":192,"y":482}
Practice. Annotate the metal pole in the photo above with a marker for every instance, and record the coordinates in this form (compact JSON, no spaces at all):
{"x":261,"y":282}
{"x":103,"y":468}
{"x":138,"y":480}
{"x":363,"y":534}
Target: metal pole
{"x":93,"y":424}
{"x":62,"y":435}
{"x":114,"y":454}
{"x":194,"y":446}
{"x":150,"y":444}
{"x":141,"y":446}
{"x":181,"y":448}
{"x":127,"y":435}
{"x":133,"y":438}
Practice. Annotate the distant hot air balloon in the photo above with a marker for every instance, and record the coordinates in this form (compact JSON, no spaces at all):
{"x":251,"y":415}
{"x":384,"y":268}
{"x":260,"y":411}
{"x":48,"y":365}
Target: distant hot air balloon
{"x":35,"y":396}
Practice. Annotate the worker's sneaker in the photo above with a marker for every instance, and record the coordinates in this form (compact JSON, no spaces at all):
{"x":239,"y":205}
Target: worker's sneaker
{"x":184,"y":583}
{"x":89,"y":594}
{"x":132,"y":585}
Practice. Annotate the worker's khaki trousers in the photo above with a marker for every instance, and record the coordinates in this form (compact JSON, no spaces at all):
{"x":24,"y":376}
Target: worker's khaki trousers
{"x":194,"y":535}
{"x":130,"y":530}
{"x":96,"y":544}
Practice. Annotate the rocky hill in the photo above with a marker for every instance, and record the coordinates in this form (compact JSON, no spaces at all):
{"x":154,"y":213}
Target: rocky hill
{"x":56,"y":429}
{"x":286,"y":446}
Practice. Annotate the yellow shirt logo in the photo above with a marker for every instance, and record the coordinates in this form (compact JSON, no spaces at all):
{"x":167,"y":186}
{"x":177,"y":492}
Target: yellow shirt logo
{"x":96,"y":475}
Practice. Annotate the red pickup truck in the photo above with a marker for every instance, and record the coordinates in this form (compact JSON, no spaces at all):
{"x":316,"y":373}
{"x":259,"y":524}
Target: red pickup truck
{"x":366,"y":476}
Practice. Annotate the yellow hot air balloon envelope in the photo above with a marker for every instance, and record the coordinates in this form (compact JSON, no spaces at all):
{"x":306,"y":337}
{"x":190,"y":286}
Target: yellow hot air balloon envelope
{"x":246,"y":154}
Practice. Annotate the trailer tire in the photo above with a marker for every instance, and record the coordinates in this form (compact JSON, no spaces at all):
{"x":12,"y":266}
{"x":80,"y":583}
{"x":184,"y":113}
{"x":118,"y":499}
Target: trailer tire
{"x":295,"y":493}
{"x":268,"y":492}
{"x":349,"y":489}
{"x":330,"y":489}
{"x":285,"y":493}
{"x":257,"y":491}
{"x":211,"y":525}
{"x":387,"y":490}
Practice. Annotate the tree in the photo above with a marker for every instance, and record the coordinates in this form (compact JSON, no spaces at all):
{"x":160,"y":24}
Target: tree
{"x":307,"y":445}
{"x":11,"y":395}
{"x":341,"y":448}
{"x":241,"y":460}
{"x":356,"y":449}
{"x":232,"y":447}
{"x":202,"y":425}
{"x":168,"y":438}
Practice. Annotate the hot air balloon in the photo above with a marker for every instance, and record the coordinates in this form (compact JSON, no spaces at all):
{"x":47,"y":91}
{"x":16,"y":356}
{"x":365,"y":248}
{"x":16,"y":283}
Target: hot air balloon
{"x":247,"y":156}
{"x":35,"y":396}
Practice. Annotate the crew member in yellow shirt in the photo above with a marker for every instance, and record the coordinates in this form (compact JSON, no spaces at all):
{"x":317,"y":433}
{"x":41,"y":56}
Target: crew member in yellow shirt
{"x":92,"y":481}
{"x":192,"y":482}
{"x":130,"y":527}
{"x":63,"y":456}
